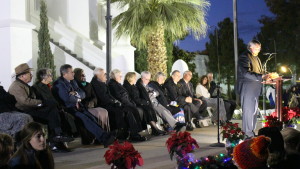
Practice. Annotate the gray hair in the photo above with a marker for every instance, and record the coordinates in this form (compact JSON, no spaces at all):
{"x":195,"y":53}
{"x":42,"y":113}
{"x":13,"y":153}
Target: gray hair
{"x":253,"y":42}
{"x":113,"y":73}
{"x":98,"y":70}
{"x":43,"y":74}
{"x":187,"y":71}
{"x":145,"y":73}
{"x":175,"y":71}
{"x":159,"y":74}
{"x":64,"y":69}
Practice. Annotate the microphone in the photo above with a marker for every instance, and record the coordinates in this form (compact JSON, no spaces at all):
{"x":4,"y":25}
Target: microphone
{"x":269,"y":53}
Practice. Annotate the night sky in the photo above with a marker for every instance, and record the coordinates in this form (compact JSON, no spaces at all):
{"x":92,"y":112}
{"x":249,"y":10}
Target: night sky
{"x":249,"y":11}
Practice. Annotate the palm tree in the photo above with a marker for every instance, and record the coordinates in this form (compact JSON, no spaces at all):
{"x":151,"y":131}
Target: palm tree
{"x":147,"y":21}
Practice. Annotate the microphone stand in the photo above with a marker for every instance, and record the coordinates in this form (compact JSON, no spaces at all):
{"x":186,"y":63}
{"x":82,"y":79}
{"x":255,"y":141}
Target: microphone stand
{"x":218,"y":144}
{"x":264,"y":85}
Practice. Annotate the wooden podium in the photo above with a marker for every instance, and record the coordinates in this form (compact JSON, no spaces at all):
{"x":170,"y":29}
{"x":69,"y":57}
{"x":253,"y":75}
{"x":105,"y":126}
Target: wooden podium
{"x":278,"y":93}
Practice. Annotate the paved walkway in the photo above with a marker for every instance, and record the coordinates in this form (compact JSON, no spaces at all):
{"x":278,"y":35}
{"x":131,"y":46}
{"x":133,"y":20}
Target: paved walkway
{"x":154,"y":152}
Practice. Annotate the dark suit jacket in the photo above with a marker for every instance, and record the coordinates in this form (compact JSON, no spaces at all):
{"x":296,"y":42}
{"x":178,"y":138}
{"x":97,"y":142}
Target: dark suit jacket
{"x":7,"y":101}
{"x":61,"y":90}
{"x":174,"y":91}
{"x":245,"y":76}
{"x":137,"y":93}
{"x":104,"y":98}
{"x":44,"y":93}
{"x":120,"y":93}
{"x":187,"y":89}
{"x":90,"y":100}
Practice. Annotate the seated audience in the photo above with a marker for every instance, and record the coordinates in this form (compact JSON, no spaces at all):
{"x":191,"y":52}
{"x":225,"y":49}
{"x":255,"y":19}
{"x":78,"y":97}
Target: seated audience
{"x":120,"y":93}
{"x":163,"y":98}
{"x":187,"y":89}
{"x":175,"y":94}
{"x":202,"y":91}
{"x":252,"y":153}
{"x":11,"y":121}
{"x":6,"y":150}
{"x":33,"y":152}
{"x":142,"y":101}
{"x":39,"y":110}
{"x":66,"y":90}
{"x":90,"y":100}
{"x":121,"y":120}
{"x":150,"y":94}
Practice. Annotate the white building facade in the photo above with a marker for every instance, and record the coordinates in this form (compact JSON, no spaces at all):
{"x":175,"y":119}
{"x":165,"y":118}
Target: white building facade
{"x":78,"y":36}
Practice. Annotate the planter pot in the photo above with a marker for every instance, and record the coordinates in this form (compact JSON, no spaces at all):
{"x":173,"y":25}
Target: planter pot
{"x":229,"y":146}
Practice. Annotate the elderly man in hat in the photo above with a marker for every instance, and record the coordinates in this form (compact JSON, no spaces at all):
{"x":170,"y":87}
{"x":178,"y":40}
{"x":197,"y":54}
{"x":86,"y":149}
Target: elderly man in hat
{"x":27,"y":102}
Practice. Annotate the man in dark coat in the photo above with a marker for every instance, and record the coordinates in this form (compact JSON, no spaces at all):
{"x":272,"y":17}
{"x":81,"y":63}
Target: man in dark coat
{"x":67,"y":91}
{"x":123,"y":119}
{"x":248,"y":86}
{"x":187,"y":89}
{"x":175,"y":94}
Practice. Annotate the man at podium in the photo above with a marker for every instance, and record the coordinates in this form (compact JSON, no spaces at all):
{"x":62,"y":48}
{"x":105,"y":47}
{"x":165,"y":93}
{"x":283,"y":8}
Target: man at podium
{"x":249,"y":86}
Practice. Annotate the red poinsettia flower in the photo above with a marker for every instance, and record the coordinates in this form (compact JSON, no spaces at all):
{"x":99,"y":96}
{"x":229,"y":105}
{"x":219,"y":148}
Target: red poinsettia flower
{"x":181,"y":143}
{"x":123,"y":156}
{"x":232,"y":132}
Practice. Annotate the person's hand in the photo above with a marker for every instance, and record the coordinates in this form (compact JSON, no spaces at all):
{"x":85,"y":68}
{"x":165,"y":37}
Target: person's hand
{"x":188,"y":100}
{"x":266,"y":77}
{"x":72,"y":93}
{"x":198,"y":100}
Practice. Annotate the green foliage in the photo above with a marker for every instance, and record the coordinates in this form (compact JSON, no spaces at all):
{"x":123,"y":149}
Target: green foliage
{"x":225,"y":55}
{"x":188,"y":57}
{"x":46,"y":58}
{"x":177,"y":16}
{"x":140,"y":56}
{"x":280,"y":33}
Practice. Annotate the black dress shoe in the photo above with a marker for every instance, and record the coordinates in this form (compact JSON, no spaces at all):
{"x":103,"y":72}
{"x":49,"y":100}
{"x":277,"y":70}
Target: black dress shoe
{"x":137,"y":138}
{"x":197,"y":123}
{"x":189,"y":127}
{"x":110,"y":139}
{"x":178,"y":126}
{"x":59,"y":147}
{"x":157,"y":132}
{"x":61,"y":138}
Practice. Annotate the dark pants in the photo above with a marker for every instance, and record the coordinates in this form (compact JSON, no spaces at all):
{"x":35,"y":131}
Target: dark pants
{"x":249,"y":97}
{"x":48,"y":114}
{"x":194,"y":109}
{"x":122,"y":119}
{"x":138,"y":115}
{"x":90,"y":123}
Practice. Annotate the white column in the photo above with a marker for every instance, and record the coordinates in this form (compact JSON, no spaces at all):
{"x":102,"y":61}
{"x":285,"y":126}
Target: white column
{"x":78,"y":16}
{"x":15,"y":38}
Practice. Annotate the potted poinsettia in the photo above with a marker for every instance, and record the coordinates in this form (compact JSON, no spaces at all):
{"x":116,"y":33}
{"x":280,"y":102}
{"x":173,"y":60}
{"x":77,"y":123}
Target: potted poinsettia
{"x":181,"y":144}
{"x":123,"y":156}
{"x":233,"y":135}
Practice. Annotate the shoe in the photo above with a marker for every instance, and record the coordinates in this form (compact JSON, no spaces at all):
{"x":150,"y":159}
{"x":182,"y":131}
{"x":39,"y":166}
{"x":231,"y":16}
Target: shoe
{"x":157,"y":132}
{"x":110,"y":139}
{"x":137,"y":138}
{"x":178,"y":126}
{"x":122,"y":134}
{"x":189,"y":127}
{"x":59,"y":147}
{"x":197,"y":123}
{"x":61,"y":138}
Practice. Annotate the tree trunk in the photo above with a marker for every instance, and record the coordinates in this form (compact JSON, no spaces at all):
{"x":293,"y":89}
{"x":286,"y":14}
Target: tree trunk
{"x":157,"y":53}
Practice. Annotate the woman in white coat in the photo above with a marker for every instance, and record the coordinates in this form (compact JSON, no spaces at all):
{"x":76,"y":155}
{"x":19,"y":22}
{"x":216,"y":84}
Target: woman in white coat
{"x":202,"y":91}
